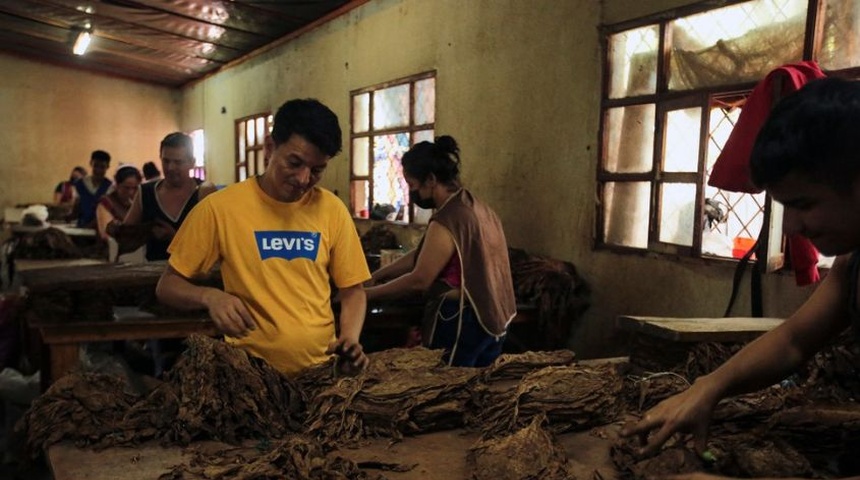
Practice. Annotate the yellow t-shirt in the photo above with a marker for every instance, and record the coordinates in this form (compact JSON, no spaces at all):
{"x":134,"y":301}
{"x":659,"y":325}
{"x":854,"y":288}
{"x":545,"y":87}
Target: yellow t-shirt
{"x":278,"y":258}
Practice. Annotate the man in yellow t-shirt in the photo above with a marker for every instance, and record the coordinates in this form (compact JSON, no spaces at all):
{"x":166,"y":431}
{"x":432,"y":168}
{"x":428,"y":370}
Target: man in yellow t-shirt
{"x":280,"y":240}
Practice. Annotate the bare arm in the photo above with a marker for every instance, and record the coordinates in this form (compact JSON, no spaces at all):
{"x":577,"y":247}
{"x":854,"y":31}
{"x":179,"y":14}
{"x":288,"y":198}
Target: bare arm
{"x":763,"y":362}
{"x":228,"y":312}
{"x":103,"y":219}
{"x":395,"y":269}
{"x":435,"y":254}
{"x":135,"y":212}
{"x":352,"y":310}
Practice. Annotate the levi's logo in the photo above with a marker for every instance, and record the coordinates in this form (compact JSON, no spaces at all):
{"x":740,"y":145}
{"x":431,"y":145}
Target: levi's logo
{"x":288,"y":244}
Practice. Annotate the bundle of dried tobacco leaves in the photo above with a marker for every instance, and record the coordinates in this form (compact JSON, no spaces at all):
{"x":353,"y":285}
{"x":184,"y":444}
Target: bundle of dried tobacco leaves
{"x":529,"y":453}
{"x":515,"y":366}
{"x":555,"y":287}
{"x":225,"y":394}
{"x":215,"y":392}
{"x":86,"y":408}
{"x":296,"y":457}
{"x":51,"y":243}
{"x":572,"y":398}
{"x":404,"y":391}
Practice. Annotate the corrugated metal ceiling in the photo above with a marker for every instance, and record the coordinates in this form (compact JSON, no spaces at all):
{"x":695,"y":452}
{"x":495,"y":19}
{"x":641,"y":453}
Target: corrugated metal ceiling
{"x":167,"y":42}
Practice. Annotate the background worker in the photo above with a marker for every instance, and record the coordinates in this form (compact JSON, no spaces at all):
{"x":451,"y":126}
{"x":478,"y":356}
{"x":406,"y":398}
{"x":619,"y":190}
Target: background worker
{"x":461,"y":264}
{"x":91,"y":188}
{"x":165,"y":203}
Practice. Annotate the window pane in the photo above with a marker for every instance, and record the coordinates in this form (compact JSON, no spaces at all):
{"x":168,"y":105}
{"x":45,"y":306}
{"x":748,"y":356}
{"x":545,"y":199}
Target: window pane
{"x":677,"y":211}
{"x":630,"y":138}
{"x":626,"y":207}
{"x":261,"y":130}
{"x":360,"y":190}
{"x":840,"y":47}
{"x":681,"y":152}
{"x":199,"y":143}
{"x":361,"y":113}
{"x":242,"y":174}
{"x":422,"y":136}
{"x":633,"y":62}
{"x":728,"y":217}
{"x":735,"y":44}
{"x":391,"y":107}
{"x":425,"y":101}
{"x":360,"y":161}
{"x":249,"y":132}
{"x":240,"y":134}
{"x":389,"y":186}
{"x":721,"y":123}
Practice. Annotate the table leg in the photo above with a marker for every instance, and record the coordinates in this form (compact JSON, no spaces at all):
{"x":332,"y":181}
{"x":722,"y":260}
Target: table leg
{"x":64,"y":358}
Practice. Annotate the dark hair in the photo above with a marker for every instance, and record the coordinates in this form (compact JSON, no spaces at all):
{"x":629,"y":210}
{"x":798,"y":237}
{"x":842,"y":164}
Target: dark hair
{"x":81,"y":170}
{"x":310,"y":119}
{"x":441,"y":158}
{"x":816,"y":132}
{"x":177,"y":140}
{"x":150,"y":170}
{"x":124,"y":172}
{"x":100,"y":156}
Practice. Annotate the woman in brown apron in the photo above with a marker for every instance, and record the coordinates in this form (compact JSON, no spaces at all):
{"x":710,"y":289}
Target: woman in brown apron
{"x":461,"y":264}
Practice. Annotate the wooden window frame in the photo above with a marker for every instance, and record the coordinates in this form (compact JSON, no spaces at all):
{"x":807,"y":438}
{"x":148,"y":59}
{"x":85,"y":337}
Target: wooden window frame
{"x":411,"y":128}
{"x":665,"y":100}
{"x":257,"y":148}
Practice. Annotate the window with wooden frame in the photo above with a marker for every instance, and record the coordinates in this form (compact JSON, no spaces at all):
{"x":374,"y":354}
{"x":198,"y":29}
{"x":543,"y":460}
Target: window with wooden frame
{"x":251,"y":134}
{"x":674,"y":86}
{"x":198,"y":141}
{"x":387,"y":119}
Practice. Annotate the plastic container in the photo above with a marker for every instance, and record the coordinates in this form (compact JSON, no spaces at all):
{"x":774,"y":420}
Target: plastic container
{"x":741,"y":246}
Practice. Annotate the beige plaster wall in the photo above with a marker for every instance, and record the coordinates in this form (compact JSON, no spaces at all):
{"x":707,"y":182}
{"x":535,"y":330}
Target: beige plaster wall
{"x":52,"y":118}
{"x":518,"y":85}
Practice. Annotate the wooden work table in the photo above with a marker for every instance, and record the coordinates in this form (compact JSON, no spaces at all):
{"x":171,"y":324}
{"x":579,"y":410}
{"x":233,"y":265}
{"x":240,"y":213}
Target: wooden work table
{"x":92,"y":277}
{"x":65,"y":306}
{"x":59,"y":310}
{"x":436,"y":456}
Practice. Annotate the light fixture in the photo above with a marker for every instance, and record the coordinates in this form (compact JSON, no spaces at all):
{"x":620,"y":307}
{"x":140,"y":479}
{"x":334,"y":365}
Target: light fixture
{"x":82,"y":42}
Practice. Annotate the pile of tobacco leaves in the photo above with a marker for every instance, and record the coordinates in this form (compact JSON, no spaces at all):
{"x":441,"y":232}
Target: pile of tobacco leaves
{"x":285,"y":427}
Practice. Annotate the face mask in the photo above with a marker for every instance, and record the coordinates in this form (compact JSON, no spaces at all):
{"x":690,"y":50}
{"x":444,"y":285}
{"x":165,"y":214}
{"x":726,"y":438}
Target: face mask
{"x":425,"y":203}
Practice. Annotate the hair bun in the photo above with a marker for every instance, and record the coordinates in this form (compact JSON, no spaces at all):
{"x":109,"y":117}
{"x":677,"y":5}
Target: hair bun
{"x":447,"y":144}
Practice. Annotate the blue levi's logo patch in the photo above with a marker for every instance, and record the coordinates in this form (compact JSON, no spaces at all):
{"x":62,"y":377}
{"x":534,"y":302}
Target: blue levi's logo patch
{"x":288,"y":245}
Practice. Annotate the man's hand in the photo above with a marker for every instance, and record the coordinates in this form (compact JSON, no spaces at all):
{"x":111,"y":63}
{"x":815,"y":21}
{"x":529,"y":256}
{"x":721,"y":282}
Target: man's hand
{"x":687,"y":412}
{"x":163,"y":230}
{"x":351,"y":357}
{"x":229,"y":313}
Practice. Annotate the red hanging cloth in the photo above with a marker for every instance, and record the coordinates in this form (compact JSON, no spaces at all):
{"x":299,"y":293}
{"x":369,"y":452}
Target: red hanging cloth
{"x":731,"y":170}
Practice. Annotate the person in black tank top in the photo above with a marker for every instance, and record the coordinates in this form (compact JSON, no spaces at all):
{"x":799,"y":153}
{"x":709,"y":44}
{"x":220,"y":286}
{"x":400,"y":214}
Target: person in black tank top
{"x":807,"y":157}
{"x":165,"y":203}
{"x":151,"y":212}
